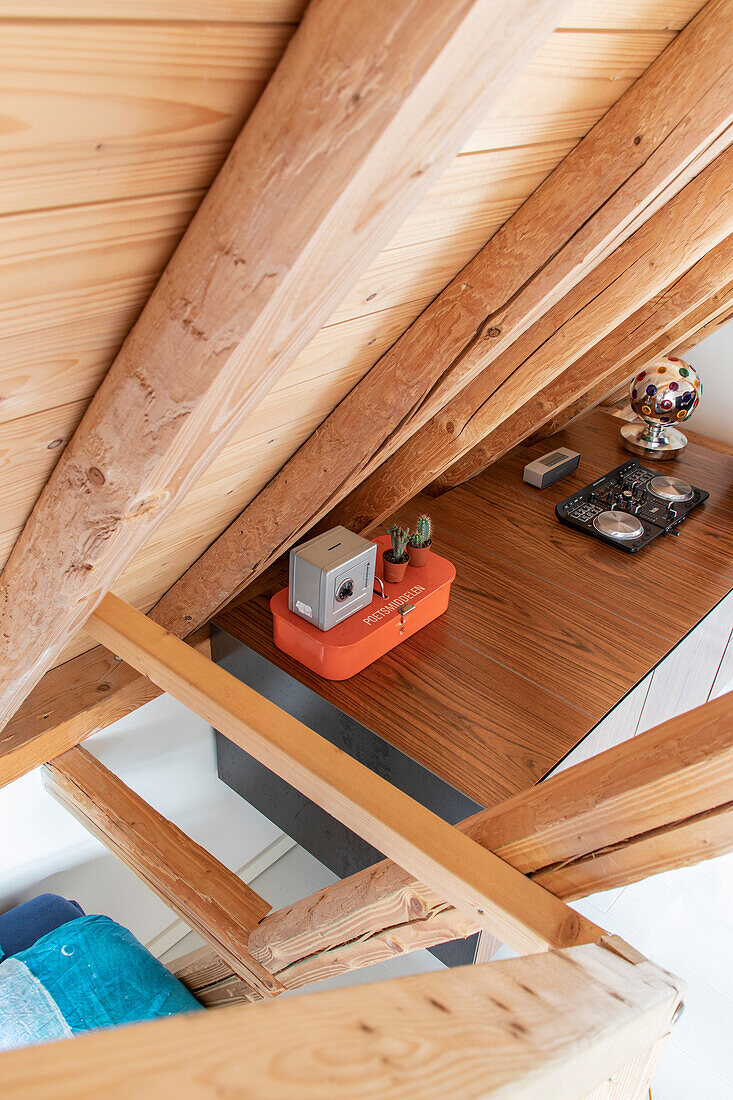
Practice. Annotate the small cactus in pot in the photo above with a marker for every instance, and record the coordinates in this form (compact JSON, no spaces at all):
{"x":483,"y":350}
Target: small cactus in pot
{"x":396,"y":560}
{"x":419,"y":547}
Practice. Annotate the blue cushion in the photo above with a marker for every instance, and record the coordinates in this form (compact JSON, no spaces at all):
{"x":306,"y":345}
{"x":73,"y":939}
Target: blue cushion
{"x":98,"y":975}
{"x":22,"y":926}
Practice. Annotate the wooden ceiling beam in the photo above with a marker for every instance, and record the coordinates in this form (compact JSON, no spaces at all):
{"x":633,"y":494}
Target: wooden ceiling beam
{"x":90,"y":692}
{"x":359,"y":118}
{"x":657,"y":328}
{"x":686,"y":334}
{"x":86,"y":694}
{"x":495,"y":895}
{"x":677,"y":776}
{"x":205,"y":894}
{"x":657,"y":137}
{"x":695,"y":222}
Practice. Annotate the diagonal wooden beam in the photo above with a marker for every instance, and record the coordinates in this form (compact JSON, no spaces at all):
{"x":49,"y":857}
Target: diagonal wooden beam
{"x":662,"y":132}
{"x":495,"y":895}
{"x":657,"y":328}
{"x":677,"y":340}
{"x":679,"y":845}
{"x":204,"y":893}
{"x":696,"y":221}
{"x":668,"y":778}
{"x":361,"y":115}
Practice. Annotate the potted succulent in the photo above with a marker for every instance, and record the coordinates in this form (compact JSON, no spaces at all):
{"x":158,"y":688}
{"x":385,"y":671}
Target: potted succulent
{"x":395,"y":560}
{"x":419,"y":547}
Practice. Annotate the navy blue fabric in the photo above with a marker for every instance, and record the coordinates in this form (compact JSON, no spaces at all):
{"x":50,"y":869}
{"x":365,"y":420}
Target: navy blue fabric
{"x":22,"y":926}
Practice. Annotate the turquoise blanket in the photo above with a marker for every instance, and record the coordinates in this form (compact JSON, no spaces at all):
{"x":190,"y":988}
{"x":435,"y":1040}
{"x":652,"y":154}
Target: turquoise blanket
{"x":86,"y":974}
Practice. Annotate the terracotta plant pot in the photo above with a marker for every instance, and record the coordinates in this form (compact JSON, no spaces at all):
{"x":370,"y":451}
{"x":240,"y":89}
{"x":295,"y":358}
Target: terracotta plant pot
{"x":394,"y":571}
{"x":418,"y":555}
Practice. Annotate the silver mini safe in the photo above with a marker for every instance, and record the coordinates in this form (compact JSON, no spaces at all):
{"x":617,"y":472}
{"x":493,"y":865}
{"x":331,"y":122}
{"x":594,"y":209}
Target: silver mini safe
{"x":331,"y":577}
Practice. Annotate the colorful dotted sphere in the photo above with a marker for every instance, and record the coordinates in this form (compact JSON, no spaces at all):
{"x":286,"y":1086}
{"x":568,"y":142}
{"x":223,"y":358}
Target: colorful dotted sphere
{"x":666,"y":392}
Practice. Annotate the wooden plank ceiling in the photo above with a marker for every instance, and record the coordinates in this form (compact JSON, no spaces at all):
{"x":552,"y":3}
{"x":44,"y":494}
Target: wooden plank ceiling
{"x":114,"y":119}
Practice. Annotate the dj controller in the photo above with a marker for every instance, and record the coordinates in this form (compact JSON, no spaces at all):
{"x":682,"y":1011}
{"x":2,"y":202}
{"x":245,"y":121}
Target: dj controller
{"x":630,"y":506}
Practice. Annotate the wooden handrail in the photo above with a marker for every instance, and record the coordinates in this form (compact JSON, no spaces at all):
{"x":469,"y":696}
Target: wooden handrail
{"x":563,"y":1022}
{"x":497,"y":898}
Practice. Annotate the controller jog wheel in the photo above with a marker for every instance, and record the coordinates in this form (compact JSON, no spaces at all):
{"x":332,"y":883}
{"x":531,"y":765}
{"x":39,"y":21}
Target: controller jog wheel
{"x":672,"y":489}
{"x":619,"y":525}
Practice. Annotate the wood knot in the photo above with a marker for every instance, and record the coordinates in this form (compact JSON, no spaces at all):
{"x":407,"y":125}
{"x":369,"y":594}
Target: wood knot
{"x":95,"y":476}
{"x":493,"y":332}
{"x":637,"y":139}
{"x":102,"y":687}
{"x":54,"y":444}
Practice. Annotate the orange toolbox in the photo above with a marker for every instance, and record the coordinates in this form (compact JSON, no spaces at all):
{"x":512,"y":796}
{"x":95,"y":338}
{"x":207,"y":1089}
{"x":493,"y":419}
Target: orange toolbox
{"x":389,"y":619}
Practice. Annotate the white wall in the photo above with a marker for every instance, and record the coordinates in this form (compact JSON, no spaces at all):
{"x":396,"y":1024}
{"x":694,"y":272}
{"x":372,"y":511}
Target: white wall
{"x":165,"y":753}
{"x":713,"y":360}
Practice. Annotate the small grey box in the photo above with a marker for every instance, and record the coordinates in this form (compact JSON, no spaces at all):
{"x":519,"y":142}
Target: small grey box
{"x":331,"y":577}
{"x":551,"y":467}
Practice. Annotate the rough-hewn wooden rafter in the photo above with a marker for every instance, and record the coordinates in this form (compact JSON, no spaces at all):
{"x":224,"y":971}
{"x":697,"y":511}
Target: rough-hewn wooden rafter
{"x":359,"y":117}
{"x":689,"y":226}
{"x":686,"y":333}
{"x":661,"y":133}
{"x":658,"y":801}
{"x":662,"y":97}
{"x":658,"y":327}
{"x":569,"y":1020}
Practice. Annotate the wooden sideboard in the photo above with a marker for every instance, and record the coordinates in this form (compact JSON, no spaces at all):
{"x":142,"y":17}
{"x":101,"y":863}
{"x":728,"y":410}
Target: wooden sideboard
{"x":547,"y":631}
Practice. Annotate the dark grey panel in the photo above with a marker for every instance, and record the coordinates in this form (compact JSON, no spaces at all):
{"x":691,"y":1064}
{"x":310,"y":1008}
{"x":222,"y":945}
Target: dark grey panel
{"x":323,"y":836}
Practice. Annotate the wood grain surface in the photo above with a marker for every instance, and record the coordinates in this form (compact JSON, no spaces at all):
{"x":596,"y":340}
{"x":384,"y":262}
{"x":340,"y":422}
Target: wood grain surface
{"x":652,"y":142}
{"x":664,"y":794}
{"x":569,"y":1020}
{"x":672,"y":318}
{"x":493,"y":894}
{"x":689,"y":226}
{"x":547,"y":629}
{"x":677,"y":340}
{"x":325,"y":167}
{"x":115,"y":116}
{"x":204,"y":893}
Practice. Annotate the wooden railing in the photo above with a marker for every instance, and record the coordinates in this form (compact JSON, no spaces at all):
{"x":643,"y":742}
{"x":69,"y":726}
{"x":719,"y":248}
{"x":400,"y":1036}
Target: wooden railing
{"x":586,"y":1010}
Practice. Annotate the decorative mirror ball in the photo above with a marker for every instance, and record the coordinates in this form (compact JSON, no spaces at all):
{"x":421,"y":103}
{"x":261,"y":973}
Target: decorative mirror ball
{"x":667,"y":392}
{"x":663,"y":395}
